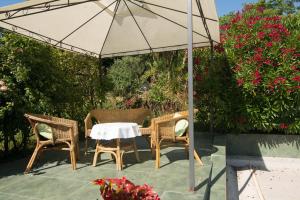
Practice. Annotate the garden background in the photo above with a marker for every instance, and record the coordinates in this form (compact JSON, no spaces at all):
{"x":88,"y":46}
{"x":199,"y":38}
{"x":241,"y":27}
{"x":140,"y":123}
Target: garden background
{"x":251,"y":83}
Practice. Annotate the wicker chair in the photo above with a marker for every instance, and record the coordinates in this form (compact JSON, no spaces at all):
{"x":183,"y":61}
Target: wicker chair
{"x":64,"y":137}
{"x":137,"y":115}
{"x":164,"y":130}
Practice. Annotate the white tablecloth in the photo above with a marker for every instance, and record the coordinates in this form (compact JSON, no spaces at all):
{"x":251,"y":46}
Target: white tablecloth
{"x":109,"y":131}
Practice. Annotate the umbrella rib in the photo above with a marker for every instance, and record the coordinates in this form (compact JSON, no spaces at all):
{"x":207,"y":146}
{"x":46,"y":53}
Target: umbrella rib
{"x":47,"y":10}
{"x":169,"y":19}
{"x":116,"y":10}
{"x":90,"y":19}
{"x":172,"y":9}
{"x":45,"y":38}
{"x":138,"y":26}
{"x":204,"y":22}
{"x":121,"y":52}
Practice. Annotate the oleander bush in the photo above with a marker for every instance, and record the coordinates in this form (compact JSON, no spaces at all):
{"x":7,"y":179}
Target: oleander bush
{"x":253,"y":82}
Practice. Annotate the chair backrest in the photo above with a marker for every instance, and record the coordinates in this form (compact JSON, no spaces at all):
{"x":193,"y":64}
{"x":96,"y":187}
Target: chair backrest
{"x":130,"y":115}
{"x":61,"y":128}
{"x":137,"y":115}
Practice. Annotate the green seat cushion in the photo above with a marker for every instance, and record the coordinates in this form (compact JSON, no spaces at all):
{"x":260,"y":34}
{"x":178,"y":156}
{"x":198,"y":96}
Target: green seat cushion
{"x":181,"y":126}
{"x":45,"y":130}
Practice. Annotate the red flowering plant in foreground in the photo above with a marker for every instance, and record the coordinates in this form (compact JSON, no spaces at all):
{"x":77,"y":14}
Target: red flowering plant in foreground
{"x":123,"y":189}
{"x":263,"y":51}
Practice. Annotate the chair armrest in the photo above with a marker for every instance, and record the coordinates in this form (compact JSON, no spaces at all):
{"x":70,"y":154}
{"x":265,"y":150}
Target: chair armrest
{"x":173,"y":119}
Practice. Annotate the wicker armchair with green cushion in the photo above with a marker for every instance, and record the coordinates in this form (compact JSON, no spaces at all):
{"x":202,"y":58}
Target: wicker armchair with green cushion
{"x":137,"y":115}
{"x":53,"y":133}
{"x":171,"y":128}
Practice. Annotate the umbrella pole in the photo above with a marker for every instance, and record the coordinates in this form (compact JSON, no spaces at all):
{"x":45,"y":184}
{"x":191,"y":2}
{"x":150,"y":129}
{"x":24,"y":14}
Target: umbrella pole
{"x":190,"y":98}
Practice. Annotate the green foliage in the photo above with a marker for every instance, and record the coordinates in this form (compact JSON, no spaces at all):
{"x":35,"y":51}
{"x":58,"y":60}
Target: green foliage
{"x":167,"y":82}
{"x":125,"y":75}
{"x":280,"y":7}
{"x":216,"y":93}
{"x":41,"y":79}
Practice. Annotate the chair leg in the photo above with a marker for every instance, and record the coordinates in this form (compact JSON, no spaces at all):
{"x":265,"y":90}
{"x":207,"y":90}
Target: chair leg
{"x":95,"y":156}
{"x":186,"y":148}
{"x":198,"y":158}
{"x":86,"y":146}
{"x":121,"y":161}
{"x":32,"y":159}
{"x":157,"y":156}
{"x":77,"y":151}
{"x":73,"y":156}
{"x":153,"y":149}
{"x":118,"y":154}
{"x":118,"y":160}
{"x":135,"y":151}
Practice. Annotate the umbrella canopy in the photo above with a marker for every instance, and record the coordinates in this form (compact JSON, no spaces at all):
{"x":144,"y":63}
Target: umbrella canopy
{"x":109,"y":28}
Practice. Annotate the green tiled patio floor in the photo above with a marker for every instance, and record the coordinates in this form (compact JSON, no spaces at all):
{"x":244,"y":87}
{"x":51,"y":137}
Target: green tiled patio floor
{"x":53,"y":179}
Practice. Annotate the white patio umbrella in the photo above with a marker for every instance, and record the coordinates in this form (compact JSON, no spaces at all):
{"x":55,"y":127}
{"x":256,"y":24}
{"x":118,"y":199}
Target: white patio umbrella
{"x":107,"y":28}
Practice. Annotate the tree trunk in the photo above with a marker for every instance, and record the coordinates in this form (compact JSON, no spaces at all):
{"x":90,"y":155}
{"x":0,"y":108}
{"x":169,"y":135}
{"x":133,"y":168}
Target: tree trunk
{"x":6,"y":146}
{"x":12,"y":138}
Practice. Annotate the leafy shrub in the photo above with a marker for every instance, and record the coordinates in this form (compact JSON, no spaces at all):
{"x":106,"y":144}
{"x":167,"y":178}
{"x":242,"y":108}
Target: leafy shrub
{"x":41,"y":79}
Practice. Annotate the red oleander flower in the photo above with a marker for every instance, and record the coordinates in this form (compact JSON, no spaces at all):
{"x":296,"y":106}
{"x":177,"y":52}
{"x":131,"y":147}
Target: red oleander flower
{"x":259,"y":50}
{"x":279,"y":80}
{"x":287,"y":51}
{"x":257,"y":77}
{"x":261,"y":35}
{"x":296,"y":79}
{"x":283,"y":126}
{"x":290,"y":91}
{"x":297,"y":55}
{"x":197,"y":61}
{"x":237,"y":18}
{"x":275,"y":36}
{"x":237,"y":68}
{"x":198,"y":77}
{"x":129,"y":102}
{"x":225,"y":27}
{"x":269,"y":44}
{"x":238,"y":45}
{"x":295,"y":68}
{"x":258,"y":57}
{"x":240,"y":82}
{"x":271,"y":87}
{"x":260,"y":9}
{"x":274,"y":18}
{"x":219,"y":48}
{"x":268,"y":62}
{"x":250,"y":23}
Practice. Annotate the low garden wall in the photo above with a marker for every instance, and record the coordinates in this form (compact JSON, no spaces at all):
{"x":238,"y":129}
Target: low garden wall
{"x":263,"y":145}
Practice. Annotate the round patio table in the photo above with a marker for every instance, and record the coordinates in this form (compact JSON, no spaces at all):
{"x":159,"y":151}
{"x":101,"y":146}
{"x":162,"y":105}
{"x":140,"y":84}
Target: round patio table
{"x":118,"y":130}
{"x":109,"y":135}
